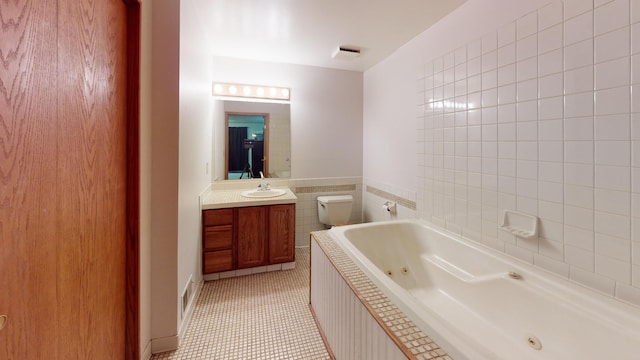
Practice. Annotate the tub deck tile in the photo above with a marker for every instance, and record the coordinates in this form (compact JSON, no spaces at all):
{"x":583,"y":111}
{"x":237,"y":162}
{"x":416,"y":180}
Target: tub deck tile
{"x":411,"y":340}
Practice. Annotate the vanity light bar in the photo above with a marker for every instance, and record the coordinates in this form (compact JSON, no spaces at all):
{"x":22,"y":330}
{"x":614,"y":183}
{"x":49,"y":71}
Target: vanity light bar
{"x":251,"y":91}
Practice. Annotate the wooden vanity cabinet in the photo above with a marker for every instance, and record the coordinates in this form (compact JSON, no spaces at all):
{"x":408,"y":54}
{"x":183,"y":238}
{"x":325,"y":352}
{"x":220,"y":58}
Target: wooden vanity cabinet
{"x":218,"y":241}
{"x":247,"y":237}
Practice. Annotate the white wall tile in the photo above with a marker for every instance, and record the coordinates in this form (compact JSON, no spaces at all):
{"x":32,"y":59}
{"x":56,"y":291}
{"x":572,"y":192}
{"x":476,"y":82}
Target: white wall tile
{"x":507,"y":54}
{"x":613,"y":269}
{"x":576,"y":7}
{"x":612,"y":73}
{"x":612,"y":45}
{"x":635,"y":11}
{"x":527,"y":90}
{"x":593,"y":280}
{"x":612,"y":224}
{"x":551,"y":151}
{"x":490,"y":97}
{"x":613,"y":177}
{"x":527,"y":69}
{"x":611,"y":16}
{"x":578,"y":55}
{"x":550,"y":39}
{"x":551,"y":108}
{"x":612,"y":201}
{"x":612,"y":101}
{"x":613,"y":153}
{"x":579,"y":196}
{"x":580,"y":152}
{"x":506,"y":93}
{"x":489,"y":42}
{"x":580,"y":238}
{"x":579,"y":105}
{"x":550,"y":171}
{"x":578,"y":80}
{"x":527,"y":25}
{"x":527,"y":150}
{"x":550,"y":15}
{"x":527,"y":131}
{"x":578,"y":28}
{"x":507,"y":34}
{"x":612,"y":127}
{"x":489,"y":79}
{"x":527,"y":47}
{"x":551,"y":62}
{"x":551,"y":85}
{"x":580,"y":128}
{"x":506,"y":132}
{"x":635,"y":38}
{"x":578,"y":174}
{"x":550,"y":129}
{"x":549,"y":191}
{"x":580,"y":258}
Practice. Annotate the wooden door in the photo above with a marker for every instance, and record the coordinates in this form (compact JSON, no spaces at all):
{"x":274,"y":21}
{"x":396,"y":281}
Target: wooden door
{"x":282,"y":233}
{"x":63,"y":178}
{"x":252,"y":236}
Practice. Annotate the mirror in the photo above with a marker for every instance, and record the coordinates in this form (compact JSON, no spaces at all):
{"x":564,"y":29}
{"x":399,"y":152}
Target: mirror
{"x":252,"y":137}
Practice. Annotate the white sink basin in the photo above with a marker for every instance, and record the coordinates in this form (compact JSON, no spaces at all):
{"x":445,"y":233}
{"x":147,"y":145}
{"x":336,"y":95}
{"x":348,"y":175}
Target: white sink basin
{"x":256,"y":193}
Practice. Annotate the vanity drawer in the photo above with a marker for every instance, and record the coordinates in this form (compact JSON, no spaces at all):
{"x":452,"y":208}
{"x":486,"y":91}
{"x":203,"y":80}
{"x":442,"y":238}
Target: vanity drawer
{"x":216,"y":261}
{"x":218,"y":237}
{"x":218,"y":217}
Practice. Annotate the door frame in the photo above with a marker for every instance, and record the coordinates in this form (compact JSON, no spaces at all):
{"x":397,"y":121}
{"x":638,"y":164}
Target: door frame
{"x":132,"y":247}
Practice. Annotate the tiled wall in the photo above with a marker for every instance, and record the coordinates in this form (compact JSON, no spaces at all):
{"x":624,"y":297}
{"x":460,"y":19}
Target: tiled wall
{"x":540,"y":116}
{"x":375,"y":195}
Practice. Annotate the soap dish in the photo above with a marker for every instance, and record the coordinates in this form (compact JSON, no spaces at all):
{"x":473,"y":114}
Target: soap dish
{"x":520,"y":224}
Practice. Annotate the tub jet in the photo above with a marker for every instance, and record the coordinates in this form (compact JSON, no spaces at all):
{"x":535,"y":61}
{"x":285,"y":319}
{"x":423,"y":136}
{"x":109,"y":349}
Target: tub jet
{"x":515,"y":275}
{"x":534,"y":342}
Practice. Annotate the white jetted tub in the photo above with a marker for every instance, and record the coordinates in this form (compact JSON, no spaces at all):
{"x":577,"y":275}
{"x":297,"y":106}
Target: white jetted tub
{"x":477,"y":303}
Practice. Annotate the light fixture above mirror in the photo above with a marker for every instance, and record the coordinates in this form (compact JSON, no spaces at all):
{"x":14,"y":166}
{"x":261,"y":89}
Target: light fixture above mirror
{"x":251,"y":91}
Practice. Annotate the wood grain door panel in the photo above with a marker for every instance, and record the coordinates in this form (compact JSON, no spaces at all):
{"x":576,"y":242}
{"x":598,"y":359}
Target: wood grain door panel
{"x":63,"y":178}
{"x":251,"y":241}
{"x":281,"y":233}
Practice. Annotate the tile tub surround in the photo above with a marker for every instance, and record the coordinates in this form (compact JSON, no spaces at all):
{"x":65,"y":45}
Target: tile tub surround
{"x":541,"y":116}
{"x":262,"y":316}
{"x":410,"y":340}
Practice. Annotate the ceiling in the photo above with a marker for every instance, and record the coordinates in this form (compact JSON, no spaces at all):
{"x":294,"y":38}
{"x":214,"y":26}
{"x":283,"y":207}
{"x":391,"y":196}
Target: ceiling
{"x":308,"y":31}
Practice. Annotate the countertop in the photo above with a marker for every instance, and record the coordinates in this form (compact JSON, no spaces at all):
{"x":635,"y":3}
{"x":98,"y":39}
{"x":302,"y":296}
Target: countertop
{"x":223,"y":199}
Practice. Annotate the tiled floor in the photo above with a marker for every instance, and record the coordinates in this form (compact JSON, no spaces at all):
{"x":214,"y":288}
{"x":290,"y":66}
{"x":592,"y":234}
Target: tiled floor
{"x":260,"y":316}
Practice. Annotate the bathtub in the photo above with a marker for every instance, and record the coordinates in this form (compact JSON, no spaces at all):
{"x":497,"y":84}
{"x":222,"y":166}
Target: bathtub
{"x":477,"y":303}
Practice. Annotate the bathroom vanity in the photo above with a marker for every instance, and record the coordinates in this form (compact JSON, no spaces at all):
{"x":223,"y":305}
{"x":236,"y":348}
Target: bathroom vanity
{"x":241,"y":235}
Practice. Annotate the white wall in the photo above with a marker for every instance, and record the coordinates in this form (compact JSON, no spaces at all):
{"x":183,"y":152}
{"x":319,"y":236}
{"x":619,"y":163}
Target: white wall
{"x":545,"y":125}
{"x":165,"y":45}
{"x":195,"y":134}
{"x":326,"y":113}
{"x":145,"y":178}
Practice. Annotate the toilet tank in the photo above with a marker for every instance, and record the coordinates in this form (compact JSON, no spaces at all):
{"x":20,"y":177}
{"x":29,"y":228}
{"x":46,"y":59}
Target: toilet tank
{"x":334,"y":210}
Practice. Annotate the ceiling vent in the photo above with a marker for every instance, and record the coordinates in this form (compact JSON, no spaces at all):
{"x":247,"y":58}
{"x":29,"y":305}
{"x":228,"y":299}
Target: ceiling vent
{"x":345,"y":53}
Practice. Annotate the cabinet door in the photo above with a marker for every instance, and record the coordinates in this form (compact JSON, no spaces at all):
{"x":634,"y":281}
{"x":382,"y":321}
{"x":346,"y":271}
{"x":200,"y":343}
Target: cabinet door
{"x":281,"y":233}
{"x":251,"y":243}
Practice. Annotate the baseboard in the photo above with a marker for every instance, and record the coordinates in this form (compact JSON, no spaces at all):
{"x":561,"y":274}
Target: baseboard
{"x":146,"y":353}
{"x":163,"y":344}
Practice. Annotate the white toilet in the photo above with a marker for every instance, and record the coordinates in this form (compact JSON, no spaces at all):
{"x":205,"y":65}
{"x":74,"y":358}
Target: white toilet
{"x":334,"y":210}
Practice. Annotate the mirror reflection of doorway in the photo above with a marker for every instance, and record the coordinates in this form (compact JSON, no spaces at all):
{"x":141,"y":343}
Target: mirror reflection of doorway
{"x":246,"y":145}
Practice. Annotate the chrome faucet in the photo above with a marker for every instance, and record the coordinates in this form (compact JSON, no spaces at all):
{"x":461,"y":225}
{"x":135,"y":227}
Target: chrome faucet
{"x":264,"y":185}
